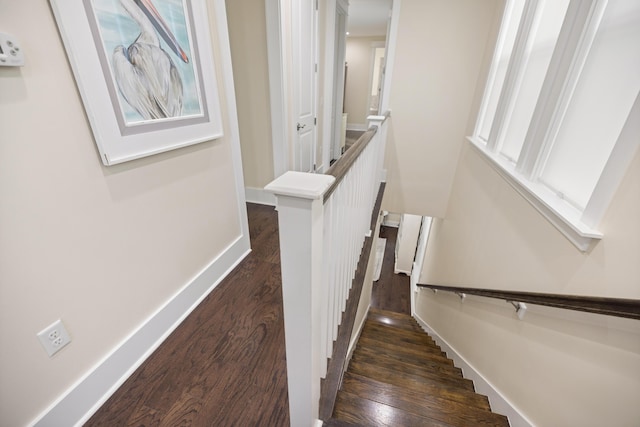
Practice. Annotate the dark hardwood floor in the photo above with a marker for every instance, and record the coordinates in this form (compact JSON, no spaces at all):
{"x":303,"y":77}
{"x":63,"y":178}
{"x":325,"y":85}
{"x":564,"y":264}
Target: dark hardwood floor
{"x":225,"y":364}
{"x":392,"y":291}
{"x":398,"y":376}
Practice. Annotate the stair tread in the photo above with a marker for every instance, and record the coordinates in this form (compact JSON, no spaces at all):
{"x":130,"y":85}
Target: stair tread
{"x":398,"y":375}
{"x":391,"y":314}
{"x":403,"y":348}
{"x":402,"y":341}
{"x":424,"y":386}
{"x":424,"y":363}
{"x":403,"y":375}
{"x":354,"y":409}
{"x":399,"y":334}
{"x":469,"y":412}
{"x":397,"y":320}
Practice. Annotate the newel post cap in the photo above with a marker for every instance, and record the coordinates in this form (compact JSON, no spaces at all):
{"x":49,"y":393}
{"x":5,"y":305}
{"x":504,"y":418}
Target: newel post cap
{"x":301,"y":184}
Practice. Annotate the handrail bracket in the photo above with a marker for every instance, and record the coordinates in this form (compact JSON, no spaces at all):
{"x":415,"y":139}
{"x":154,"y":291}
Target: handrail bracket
{"x":521,"y":308}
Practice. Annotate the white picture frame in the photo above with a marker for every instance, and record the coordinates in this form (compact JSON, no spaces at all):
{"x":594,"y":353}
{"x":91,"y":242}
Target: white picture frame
{"x":147,"y":82}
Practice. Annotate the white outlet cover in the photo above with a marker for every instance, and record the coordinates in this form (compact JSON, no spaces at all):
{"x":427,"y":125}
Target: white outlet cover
{"x":54,"y":337}
{"x":11,"y":54}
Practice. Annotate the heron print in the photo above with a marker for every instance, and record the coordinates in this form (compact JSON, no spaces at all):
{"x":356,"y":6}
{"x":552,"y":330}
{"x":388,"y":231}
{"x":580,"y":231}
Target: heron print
{"x":148,"y":48}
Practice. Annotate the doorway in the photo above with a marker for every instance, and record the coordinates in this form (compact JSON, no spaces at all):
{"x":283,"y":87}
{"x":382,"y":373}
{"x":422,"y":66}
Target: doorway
{"x":332,"y":26}
{"x":365,"y":56}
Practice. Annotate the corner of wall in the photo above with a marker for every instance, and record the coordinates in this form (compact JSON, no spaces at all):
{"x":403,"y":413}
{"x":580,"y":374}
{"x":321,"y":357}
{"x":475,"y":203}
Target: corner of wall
{"x":260,"y":196}
{"x":85,"y":397}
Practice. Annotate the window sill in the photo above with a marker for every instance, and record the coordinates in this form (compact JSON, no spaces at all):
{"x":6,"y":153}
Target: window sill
{"x":566,"y":218}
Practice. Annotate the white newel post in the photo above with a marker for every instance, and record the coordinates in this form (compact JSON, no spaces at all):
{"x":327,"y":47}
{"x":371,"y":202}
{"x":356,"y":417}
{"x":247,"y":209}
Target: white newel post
{"x":299,"y":201}
{"x":378,"y":121}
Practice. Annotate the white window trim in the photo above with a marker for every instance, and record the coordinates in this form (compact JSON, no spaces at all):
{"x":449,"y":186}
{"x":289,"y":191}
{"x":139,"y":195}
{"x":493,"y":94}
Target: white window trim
{"x":578,"y":226}
{"x":566,"y":218}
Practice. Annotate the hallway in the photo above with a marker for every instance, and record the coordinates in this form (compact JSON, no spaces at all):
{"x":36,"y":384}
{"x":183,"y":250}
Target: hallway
{"x":391,"y":292}
{"x":225,"y":364}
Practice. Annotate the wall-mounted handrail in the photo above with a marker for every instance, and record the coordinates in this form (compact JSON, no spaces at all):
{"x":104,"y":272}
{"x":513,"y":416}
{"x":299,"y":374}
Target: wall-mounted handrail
{"x":619,"y":307}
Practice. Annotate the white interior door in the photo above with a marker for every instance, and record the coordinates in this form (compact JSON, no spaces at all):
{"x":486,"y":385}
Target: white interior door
{"x":304,"y":54}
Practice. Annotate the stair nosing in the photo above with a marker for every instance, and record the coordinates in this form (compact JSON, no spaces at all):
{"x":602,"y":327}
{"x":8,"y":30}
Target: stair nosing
{"x":449,"y":383}
{"x":426,"y":401}
{"x":426,"y":363}
{"x":405,"y":347}
{"x":422,"y":335}
{"x":427,"y":421}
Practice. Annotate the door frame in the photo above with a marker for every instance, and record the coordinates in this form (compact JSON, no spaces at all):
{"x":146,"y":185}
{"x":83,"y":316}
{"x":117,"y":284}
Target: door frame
{"x":372,"y":71}
{"x":278,"y":90}
{"x":303,"y":83}
{"x":278,"y":25}
{"x":279,"y":69}
{"x":333,"y":86}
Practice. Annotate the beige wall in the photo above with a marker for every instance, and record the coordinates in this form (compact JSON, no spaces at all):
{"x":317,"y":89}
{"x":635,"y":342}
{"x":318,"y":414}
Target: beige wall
{"x":103,"y":248}
{"x":248,"y":38}
{"x":558,"y":367}
{"x":526,"y":251}
{"x":439,"y":55}
{"x":359,"y":59}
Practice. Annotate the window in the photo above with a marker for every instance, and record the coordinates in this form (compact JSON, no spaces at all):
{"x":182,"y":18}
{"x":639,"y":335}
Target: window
{"x":562,"y":89}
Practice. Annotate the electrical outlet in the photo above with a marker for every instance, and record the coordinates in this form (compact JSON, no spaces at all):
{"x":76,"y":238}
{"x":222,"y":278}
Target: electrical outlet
{"x":54,"y":337}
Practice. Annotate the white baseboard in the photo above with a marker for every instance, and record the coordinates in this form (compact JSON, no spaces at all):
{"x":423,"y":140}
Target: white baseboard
{"x":354,"y":339}
{"x":85,"y":397}
{"x":260,"y":196}
{"x":391,"y":220}
{"x":357,"y":126}
{"x":499,"y":404}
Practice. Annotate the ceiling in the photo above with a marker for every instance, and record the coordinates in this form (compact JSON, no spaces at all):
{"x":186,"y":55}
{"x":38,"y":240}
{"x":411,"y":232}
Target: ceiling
{"x":368,"y":17}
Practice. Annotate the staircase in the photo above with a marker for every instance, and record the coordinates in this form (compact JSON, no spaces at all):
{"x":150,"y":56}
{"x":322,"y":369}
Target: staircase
{"x":398,"y":376}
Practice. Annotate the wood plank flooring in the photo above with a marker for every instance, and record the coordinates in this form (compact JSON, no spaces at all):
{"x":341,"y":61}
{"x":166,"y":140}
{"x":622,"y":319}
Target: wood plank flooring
{"x":398,"y":376}
{"x":391,"y":292}
{"x":225,"y":364}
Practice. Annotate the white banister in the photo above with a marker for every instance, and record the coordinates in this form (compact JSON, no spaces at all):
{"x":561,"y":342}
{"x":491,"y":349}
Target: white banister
{"x":323,"y":221}
{"x":300,"y":211}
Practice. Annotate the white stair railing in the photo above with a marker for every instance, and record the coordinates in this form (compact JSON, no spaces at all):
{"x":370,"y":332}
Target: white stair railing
{"x":323,"y":221}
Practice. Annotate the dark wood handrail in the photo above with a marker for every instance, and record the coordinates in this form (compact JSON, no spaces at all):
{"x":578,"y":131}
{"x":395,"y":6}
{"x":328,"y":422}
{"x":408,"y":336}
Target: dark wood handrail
{"x":340,"y":168}
{"x":619,"y":307}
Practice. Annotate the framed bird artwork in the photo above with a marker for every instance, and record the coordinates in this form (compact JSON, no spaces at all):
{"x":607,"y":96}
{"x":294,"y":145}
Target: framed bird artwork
{"x":145,"y":71}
